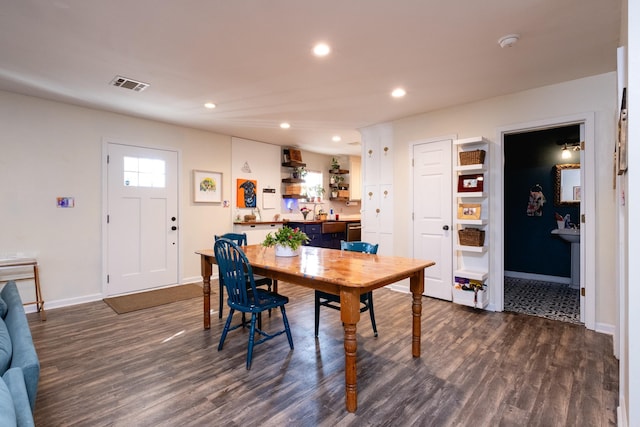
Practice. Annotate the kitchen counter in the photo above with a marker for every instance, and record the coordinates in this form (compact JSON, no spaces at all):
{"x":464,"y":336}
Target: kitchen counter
{"x":317,"y":221}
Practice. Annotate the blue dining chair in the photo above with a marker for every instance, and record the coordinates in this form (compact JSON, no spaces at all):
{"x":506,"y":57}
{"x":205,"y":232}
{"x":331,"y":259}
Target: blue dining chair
{"x":236,"y":273}
{"x":241,"y":240}
{"x":325,"y":299}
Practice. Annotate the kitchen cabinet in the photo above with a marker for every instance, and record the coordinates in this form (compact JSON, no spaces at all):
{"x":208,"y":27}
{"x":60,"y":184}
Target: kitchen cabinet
{"x":317,"y":238}
{"x":378,"y":196}
{"x":471,"y":260}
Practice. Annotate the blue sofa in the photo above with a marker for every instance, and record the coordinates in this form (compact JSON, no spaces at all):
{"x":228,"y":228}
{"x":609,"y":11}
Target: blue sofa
{"x":19,"y":364}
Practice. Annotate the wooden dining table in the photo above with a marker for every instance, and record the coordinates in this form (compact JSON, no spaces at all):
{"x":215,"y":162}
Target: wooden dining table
{"x":345,"y":273}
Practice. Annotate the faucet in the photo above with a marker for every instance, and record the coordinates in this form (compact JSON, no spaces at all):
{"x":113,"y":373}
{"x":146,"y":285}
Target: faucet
{"x":315,"y":205}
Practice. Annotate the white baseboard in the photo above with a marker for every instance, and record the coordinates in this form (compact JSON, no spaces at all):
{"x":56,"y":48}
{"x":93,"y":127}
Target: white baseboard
{"x":32,"y":308}
{"x":622,"y":413}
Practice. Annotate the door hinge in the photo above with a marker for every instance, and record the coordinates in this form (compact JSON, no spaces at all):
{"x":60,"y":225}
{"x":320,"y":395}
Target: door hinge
{"x":583,"y":218}
{"x":107,"y":278}
{"x":107,"y":219}
{"x":582,"y":145}
{"x":107,"y":159}
{"x":582,"y":292}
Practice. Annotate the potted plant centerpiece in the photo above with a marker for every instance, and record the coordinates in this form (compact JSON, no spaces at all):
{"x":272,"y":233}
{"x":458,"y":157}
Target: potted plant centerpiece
{"x":287,"y":241}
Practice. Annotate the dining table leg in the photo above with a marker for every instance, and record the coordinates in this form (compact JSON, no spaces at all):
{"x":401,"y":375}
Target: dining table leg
{"x":205,"y":269}
{"x":416,"y":284}
{"x":350,"y":315}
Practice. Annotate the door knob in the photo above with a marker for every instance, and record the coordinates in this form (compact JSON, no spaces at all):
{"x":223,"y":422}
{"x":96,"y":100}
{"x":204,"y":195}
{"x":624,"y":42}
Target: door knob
{"x":173,"y":218}
{"x":174,"y":228}
{"x":445,"y":228}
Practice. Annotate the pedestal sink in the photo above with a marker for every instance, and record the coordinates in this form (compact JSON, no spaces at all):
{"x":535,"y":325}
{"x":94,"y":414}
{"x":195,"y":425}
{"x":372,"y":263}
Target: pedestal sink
{"x":572,"y":236}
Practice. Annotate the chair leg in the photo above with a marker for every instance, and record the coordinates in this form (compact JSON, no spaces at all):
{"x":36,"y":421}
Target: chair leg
{"x":252,"y":332}
{"x":317,"y":314}
{"x":221,"y":298}
{"x":226,"y":329}
{"x":371,"y":314}
{"x":286,"y":326}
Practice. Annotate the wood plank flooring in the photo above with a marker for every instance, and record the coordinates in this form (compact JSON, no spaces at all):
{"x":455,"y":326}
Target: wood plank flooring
{"x":159,"y":367}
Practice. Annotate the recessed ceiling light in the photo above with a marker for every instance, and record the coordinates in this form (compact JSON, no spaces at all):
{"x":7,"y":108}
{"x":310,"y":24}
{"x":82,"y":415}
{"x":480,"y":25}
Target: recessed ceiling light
{"x":336,"y":138}
{"x":210,"y":105}
{"x":321,"y":49}
{"x":285,"y":125}
{"x":398,"y":93}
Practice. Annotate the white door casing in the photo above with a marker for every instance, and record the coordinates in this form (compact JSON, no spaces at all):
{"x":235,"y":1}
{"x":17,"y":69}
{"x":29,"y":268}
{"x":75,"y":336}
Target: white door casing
{"x":432,"y":213}
{"x":142,"y":212}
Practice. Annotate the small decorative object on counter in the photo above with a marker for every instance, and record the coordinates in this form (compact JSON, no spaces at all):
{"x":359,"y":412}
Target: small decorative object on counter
{"x":305,"y":211}
{"x":286,"y":240}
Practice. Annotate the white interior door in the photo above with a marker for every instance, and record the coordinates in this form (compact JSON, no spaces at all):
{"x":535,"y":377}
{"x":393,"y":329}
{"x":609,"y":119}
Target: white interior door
{"x":142,"y":225}
{"x":432,"y":201}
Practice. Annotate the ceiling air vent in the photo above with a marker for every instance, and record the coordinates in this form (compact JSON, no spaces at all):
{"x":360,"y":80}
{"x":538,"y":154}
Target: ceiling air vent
{"x":128,"y":83}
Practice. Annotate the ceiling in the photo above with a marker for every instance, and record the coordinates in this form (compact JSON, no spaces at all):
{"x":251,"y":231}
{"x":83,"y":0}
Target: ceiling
{"x":253,"y":58}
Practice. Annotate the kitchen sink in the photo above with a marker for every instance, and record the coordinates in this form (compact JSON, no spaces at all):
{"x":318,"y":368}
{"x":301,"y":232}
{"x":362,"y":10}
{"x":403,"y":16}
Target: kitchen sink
{"x":334,"y":227}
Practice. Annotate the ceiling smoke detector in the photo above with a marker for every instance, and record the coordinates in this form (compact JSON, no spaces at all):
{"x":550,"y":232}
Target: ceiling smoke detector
{"x":508,"y":40}
{"x":128,"y":83}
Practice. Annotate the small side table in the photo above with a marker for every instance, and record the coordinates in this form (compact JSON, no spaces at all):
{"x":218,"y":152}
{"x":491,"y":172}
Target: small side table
{"x":13,"y":263}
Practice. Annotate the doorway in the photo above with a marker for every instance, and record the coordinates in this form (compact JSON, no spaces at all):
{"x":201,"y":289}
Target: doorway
{"x":501,"y":266}
{"x":141,"y":226}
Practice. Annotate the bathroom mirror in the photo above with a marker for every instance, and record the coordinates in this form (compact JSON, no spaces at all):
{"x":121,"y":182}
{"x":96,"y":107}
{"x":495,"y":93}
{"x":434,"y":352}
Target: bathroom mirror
{"x":568,"y":190}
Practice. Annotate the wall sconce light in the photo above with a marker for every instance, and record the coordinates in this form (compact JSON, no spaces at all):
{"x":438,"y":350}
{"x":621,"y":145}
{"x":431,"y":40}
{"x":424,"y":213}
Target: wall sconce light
{"x":566,"y":150}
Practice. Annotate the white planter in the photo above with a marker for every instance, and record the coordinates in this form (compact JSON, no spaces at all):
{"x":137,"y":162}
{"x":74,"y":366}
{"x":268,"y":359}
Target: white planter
{"x":286,"y":251}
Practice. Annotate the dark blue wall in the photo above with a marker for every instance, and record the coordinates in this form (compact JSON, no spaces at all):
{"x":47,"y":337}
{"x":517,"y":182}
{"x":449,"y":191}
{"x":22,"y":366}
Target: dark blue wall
{"x":529,"y":160}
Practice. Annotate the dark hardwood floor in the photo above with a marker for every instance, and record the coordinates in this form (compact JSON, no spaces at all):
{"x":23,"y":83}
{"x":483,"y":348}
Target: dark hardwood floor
{"x":158,"y":367}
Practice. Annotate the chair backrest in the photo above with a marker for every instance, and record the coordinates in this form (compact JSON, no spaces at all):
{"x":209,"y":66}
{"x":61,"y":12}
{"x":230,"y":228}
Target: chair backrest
{"x":365,"y":247}
{"x":235,"y":272}
{"x":238,"y":238}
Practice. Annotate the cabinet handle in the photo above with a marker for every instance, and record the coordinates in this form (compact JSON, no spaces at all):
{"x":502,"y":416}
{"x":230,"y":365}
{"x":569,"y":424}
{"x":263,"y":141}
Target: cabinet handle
{"x":370,"y":152}
{"x":445,"y":228}
{"x":370,"y":195}
{"x":385,"y":193}
{"x":377,"y":211}
{"x":385,"y":150}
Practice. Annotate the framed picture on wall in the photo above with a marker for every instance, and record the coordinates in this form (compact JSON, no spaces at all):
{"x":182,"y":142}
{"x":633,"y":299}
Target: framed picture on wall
{"x":470,"y":183}
{"x":246,"y":193}
{"x":207,"y":187}
{"x":469,"y":210}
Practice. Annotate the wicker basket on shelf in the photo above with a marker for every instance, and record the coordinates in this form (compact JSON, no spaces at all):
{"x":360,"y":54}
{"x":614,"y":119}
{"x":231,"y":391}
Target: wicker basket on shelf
{"x":475,"y":157}
{"x":471,"y":237}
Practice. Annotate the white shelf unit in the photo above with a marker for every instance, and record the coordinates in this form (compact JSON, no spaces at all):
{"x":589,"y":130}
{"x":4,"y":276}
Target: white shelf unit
{"x":472,"y":262}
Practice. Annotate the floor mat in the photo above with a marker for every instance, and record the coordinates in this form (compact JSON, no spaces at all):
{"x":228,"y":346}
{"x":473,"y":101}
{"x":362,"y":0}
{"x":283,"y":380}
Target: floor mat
{"x":142,"y":300}
{"x":555,"y":301}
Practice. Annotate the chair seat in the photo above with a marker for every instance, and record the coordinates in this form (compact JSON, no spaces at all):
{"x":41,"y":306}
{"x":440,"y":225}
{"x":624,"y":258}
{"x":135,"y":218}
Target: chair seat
{"x":266,"y":300}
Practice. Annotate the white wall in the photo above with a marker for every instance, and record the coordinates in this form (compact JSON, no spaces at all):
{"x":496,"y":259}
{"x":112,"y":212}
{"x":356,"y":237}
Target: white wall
{"x":484,"y":118}
{"x":51,"y":149}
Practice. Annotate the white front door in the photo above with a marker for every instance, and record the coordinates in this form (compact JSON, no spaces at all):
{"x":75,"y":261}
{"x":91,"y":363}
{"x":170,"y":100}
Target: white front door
{"x":142,"y":224}
{"x":432,"y":227}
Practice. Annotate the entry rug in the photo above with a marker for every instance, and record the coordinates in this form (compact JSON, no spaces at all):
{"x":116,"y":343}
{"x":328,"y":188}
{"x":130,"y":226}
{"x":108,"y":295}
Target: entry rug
{"x":554,"y":301}
{"x":140,"y":301}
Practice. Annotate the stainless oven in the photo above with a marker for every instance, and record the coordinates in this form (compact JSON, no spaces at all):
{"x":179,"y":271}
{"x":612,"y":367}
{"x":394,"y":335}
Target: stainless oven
{"x":354,"y":232}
